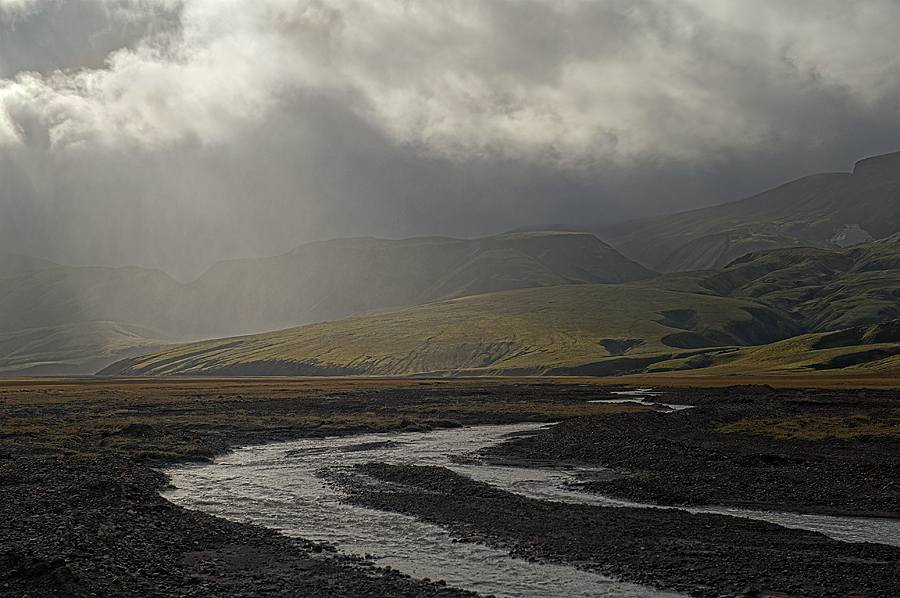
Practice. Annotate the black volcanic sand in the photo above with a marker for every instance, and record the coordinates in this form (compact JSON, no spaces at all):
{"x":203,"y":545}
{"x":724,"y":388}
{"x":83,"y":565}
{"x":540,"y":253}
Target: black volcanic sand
{"x":81,"y":524}
{"x":680,"y":459}
{"x":98,"y":527}
{"x":704,"y":555}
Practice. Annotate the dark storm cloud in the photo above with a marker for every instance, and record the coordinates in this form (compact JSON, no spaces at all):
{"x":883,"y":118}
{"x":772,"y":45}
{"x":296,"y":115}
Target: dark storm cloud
{"x":173,"y":134}
{"x":312,"y":172}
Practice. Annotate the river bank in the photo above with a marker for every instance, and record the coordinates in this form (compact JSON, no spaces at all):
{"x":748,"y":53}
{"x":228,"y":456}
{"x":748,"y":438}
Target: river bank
{"x":801,"y":450}
{"x":806,"y":451}
{"x":97,"y":526}
{"x":85,"y":516}
{"x":698,"y":554}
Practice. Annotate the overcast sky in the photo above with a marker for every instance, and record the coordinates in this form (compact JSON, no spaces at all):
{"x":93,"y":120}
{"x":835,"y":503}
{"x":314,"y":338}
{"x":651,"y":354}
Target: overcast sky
{"x":173,"y":133}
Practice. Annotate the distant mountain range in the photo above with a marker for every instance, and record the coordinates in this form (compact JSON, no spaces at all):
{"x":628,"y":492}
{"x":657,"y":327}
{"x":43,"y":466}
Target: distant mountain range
{"x":673,"y":322}
{"x":829,"y":211}
{"x":523,"y":302}
{"x":75,"y":320}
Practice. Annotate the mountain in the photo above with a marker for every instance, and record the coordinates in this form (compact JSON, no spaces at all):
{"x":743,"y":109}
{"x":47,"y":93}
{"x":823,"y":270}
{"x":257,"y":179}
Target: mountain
{"x":828,"y":211}
{"x":677,"y":321}
{"x":37,"y":293}
{"x":334,"y":279}
{"x":723,"y":290}
{"x":58,"y":319}
{"x":73,"y":349}
{"x":62,"y":320}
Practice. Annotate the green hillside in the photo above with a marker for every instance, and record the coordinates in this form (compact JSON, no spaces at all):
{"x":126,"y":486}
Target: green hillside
{"x":873,"y":349}
{"x":815,"y":290}
{"x":58,"y":319}
{"x":831,"y":210}
{"x":784,"y":263}
{"x":685,"y":320}
{"x":533,"y":331}
{"x":335,"y":279}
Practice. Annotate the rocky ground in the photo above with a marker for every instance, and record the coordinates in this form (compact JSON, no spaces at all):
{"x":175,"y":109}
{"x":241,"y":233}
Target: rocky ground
{"x":98,"y":527}
{"x":82,"y":515}
{"x":700,"y":554}
{"x":838,"y":455}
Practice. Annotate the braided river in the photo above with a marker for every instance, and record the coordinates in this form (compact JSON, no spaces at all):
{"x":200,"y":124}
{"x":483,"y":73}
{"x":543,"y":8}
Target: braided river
{"x":279,"y":486}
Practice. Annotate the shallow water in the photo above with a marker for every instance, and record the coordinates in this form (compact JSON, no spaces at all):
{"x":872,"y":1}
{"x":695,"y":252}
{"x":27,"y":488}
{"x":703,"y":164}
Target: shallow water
{"x":550,"y":485}
{"x":276,"y":485}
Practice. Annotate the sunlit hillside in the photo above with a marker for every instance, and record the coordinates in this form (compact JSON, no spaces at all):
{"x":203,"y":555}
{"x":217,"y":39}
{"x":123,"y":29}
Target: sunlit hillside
{"x":678,"y":321}
{"x":57,"y":319}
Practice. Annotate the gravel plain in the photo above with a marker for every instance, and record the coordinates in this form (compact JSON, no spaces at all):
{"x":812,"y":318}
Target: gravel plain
{"x":95,"y":525}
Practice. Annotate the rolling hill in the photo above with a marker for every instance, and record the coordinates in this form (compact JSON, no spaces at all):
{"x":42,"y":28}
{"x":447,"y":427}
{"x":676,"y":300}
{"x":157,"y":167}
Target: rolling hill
{"x":533,"y":301}
{"x":678,"y":321}
{"x":58,"y":319}
{"x":335,"y":279}
{"x":832,"y":210}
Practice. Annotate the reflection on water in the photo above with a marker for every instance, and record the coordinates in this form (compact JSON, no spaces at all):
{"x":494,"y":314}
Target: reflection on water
{"x":276,"y":485}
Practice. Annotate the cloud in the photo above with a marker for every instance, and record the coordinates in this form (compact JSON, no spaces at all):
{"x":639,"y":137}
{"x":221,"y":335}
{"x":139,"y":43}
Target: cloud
{"x":172,"y":133}
{"x":568,"y":82}
{"x":12,"y":8}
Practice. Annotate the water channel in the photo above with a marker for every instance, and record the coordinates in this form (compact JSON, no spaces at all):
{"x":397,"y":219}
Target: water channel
{"x":276,"y":486}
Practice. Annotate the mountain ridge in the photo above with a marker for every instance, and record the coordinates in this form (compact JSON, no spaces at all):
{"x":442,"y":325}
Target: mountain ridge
{"x":797,"y":279}
{"x":676,"y":321}
{"x":313,"y":282}
{"x":810,"y":211}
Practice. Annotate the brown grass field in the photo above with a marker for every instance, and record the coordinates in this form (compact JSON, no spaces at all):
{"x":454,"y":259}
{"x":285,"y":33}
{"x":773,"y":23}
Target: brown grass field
{"x":196,"y":418}
{"x":817,"y":380}
{"x":177,"y":418}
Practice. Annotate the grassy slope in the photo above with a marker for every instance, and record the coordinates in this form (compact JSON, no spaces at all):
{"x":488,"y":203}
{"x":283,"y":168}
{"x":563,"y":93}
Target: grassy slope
{"x":806,"y":212}
{"x":690,"y":320}
{"x":816,"y":290}
{"x":717,"y":250}
{"x":335,"y":279}
{"x":809,"y":355}
{"x":65,"y":320}
{"x":527,"y":331}
{"x":73,"y":348}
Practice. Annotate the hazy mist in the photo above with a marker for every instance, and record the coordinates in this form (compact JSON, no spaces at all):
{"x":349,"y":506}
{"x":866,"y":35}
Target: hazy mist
{"x":173,"y":134}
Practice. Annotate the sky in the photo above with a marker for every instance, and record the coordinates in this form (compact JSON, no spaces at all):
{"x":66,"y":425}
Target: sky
{"x":175,"y":133}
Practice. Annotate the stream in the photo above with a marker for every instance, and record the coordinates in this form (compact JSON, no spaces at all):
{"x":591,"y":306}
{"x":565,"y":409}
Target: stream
{"x":276,"y":486}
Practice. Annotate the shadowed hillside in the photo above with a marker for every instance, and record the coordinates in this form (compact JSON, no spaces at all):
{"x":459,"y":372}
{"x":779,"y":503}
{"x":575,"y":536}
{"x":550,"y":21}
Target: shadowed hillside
{"x":833,"y":210}
{"x":335,"y":279}
{"x":65,"y":320}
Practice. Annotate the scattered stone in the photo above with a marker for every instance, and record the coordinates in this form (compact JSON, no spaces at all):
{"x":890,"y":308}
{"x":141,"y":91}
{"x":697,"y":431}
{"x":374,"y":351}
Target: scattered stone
{"x":98,"y":526}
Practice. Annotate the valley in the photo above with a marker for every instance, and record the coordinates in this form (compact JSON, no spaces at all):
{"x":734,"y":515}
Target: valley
{"x":750,"y":286}
{"x":85,"y":511}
